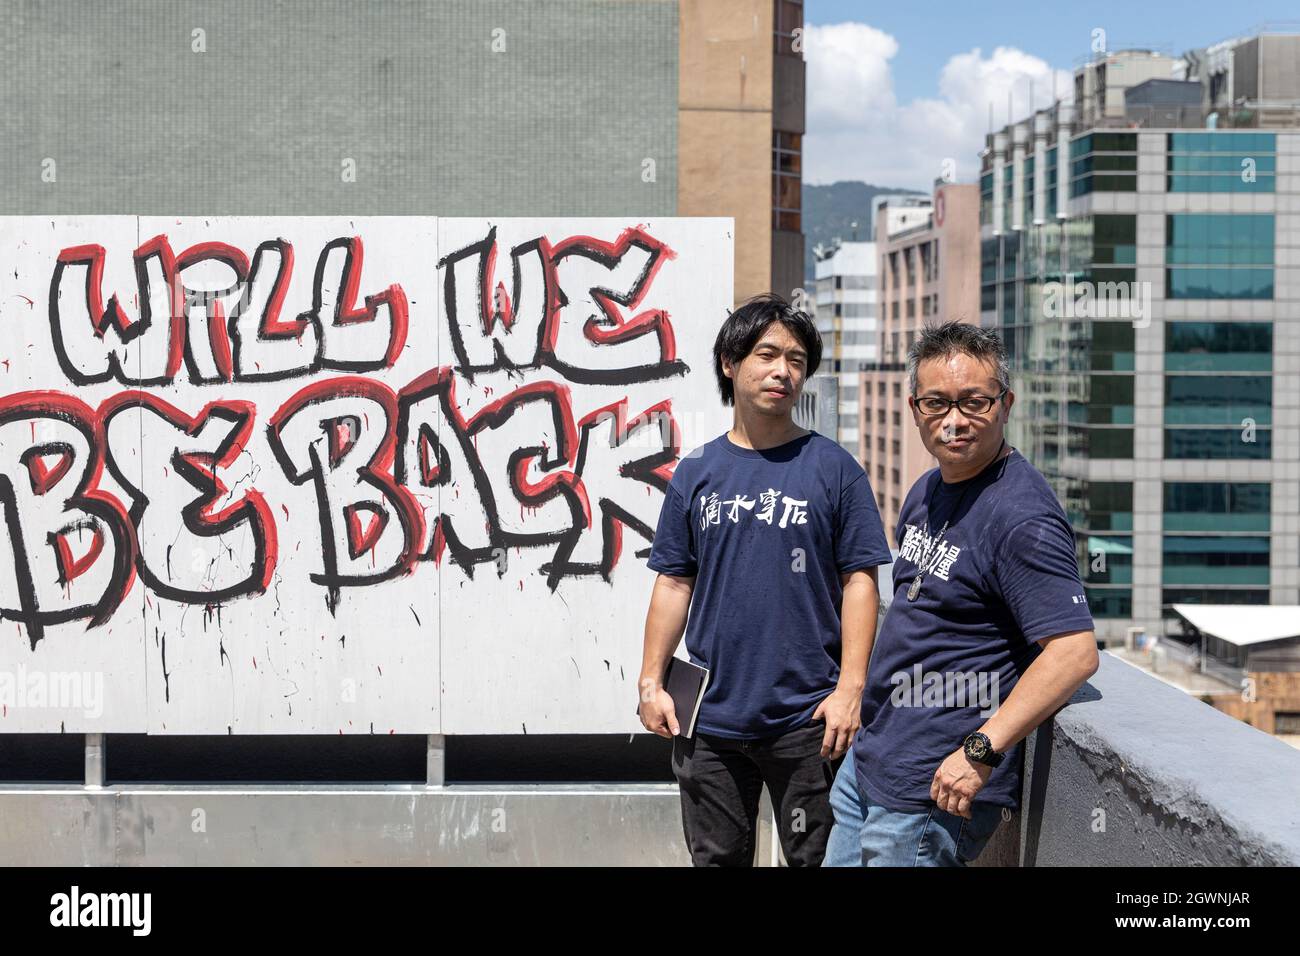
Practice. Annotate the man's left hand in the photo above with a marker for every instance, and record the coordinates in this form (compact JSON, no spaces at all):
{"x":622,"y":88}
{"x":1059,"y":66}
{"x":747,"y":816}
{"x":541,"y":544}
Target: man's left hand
{"x":842,"y":711}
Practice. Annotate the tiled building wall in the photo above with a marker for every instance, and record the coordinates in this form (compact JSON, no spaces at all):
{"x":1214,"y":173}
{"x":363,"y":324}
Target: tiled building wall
{"x":460,"y":107}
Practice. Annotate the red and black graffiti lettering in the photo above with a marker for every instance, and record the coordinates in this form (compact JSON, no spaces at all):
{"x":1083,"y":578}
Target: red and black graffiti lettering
{"x":71,"y":546}
{"x":396,"y":477}
{"x":150,"y":443}
{"x":603,"y":467}
{"x":149,"y":347}
{"x":438,"y":449}
{"x":353,"y":477}
{"x":565,"y":310}
{"x":335,"y":334}
{"x":377,"y":464}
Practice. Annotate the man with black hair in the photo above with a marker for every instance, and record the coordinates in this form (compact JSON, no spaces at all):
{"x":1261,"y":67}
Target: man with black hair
{"x":988,"y":633}
{"x":769,"y":539}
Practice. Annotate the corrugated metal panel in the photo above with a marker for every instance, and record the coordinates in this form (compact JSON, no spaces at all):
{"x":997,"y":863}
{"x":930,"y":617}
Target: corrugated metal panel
{"x":461,"y":107}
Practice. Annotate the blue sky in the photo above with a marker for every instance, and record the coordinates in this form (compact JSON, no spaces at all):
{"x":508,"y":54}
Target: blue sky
{"x":920,"y":72}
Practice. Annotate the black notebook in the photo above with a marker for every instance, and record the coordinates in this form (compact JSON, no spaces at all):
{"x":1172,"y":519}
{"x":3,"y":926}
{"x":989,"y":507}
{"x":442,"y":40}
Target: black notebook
{"x":686,"y":684}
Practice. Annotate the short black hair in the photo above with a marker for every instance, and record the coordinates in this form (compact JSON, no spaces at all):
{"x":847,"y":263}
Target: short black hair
{"x":745,"y":326}
{"x":958,"y":338}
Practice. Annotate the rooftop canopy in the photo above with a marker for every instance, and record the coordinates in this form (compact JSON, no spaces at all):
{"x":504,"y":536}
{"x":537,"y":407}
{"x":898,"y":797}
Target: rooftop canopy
{"x":1243,"y":624}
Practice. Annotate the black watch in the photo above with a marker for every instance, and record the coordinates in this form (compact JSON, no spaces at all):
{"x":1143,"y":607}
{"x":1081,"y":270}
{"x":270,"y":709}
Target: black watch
{"x":979,"y":748}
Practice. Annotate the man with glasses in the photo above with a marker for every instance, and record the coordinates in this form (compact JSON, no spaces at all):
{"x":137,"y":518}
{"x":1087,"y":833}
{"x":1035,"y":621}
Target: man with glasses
{"x":988,"y":633}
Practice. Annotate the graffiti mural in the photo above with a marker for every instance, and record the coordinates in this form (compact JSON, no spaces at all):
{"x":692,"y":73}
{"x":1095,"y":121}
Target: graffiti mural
{"x":315,"y":475}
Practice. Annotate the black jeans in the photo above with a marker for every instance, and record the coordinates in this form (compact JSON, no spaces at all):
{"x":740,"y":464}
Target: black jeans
{"x":722,"y":779}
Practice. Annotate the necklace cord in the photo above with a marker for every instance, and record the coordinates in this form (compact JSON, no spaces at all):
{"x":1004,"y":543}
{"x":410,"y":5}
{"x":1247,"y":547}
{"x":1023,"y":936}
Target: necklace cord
{"x":923,"y":568}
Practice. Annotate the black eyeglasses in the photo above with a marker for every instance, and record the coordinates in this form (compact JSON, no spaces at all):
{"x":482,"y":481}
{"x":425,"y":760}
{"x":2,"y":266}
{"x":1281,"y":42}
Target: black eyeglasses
{"x":932,"y":405}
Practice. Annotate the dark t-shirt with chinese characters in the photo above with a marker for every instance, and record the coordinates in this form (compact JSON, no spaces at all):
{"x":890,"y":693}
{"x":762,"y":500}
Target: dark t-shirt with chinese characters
{"x":1002,"y":575}
{"x":766,"y":534}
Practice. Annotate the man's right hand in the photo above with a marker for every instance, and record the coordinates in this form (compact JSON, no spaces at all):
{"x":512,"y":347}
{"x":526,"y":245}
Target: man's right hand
{"x":657,"y":712}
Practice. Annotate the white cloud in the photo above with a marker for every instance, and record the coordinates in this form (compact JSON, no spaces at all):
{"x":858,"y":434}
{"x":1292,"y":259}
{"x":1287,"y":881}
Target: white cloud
{"x":858,"y":130}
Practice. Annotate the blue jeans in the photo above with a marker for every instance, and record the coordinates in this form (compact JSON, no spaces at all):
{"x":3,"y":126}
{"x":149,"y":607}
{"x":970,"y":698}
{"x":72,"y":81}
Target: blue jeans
{"x":867,"y":834}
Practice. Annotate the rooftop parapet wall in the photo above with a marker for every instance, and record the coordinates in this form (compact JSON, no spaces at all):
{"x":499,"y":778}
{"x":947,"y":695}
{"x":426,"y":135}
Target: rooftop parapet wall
{"x":1134,"y":772}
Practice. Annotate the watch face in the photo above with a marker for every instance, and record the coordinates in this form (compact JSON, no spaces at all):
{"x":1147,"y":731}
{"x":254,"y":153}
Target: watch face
{"x":976,"y":748}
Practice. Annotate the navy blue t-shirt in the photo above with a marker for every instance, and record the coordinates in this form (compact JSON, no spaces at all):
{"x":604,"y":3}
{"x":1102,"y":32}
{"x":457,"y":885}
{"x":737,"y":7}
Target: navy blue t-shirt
{"x":766,"y":535}
{"x":1002,"y":576}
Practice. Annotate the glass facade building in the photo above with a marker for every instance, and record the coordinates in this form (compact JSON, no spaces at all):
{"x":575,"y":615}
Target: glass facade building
{"x":1146,"y":304}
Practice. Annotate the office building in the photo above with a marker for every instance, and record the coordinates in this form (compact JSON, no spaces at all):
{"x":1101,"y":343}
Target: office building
{"x":1144,"y":276}
{"x":845,"y":296}
{"x":928,"y":253}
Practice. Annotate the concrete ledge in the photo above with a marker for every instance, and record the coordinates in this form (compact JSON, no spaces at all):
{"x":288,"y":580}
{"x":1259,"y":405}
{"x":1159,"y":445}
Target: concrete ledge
{"x":1134,"y":772}
{"x":390,"y":826}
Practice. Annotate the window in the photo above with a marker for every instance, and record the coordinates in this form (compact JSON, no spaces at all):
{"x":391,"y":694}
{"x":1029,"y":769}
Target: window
{"x":1109,"y":442}
{"x":1107,"y":506}
{"x":1170,"y":596}
{"x":1218,"y":347}
{"x":1103,"y":162}
{"x":1218,"y":443}
{"x":1114,"y":240}
{"x":1110,"y":400}
{"x":1051,"y":183}
{"x":1111,"y":349}
{"x":786,"y":173}
{"x":1215,"y":560}
{"x":1215,"y":389}
{"x":1219,"y":256}
{"x":1106,"y":559}
{"x":789,"y":18}
{"x":1221,"y":162}
{"x":1286,"y":722}
{"x":1217,"y":506}
{"x":988,"y":274}
{"x":1010,"y":256}
{"x":1237,"y":400}
{"x":1027,"y":202}
{"x":1110,"y":602}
